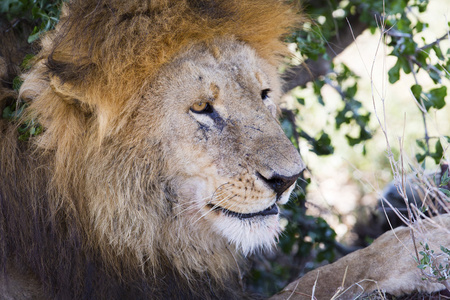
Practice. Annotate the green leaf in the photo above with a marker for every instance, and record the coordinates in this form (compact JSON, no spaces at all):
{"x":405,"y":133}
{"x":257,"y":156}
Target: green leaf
{"x":8,"y":113}
{"x":287,"y":127}
{"x":12,"y":111}
{"x":422,"y":6}
{"x":4,"y":5}
{"x":34,"y":35}
{"x":445,"y":191}
{"x":394,"y":72}
{"x":419,"y":26}
{"x":416,"y":90}
{"x":17,"y":83}
{"x":436,"y":98}
{"x":420,"y":157}
{"x":322,"y":145}
{"x":405,"y":65}
{"x":438,"y":148}
{"x":24,"y":137}
{"x":352,"y":141}
{"x":445,"y":250}
{"x":438,"y":52}
{"x":26,"y":63}
{"x":351,"y":91}
{"x":409,"y":47}
{"x":301,"y":100}
{"x":421,"y":57}
{"x":445,"y":179}
{"x":317,"y":86}
{"x":343,"y":116}
{"x":422,"y":145}
{"x":422,"y":266}
{"x":435,"y":76}
{"x":36,"y":12}
{"x":39,"y":130}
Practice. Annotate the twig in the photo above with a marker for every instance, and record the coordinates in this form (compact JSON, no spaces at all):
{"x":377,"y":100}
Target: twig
{"x":397,"y":34}
{"x":433,"y":43}
{"x":293,"y":291}
{"x":427,"y":138}
{"x":314,"y":286}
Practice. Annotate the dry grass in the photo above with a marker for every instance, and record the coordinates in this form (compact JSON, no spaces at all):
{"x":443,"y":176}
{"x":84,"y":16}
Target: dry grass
{"x":428,"y":198}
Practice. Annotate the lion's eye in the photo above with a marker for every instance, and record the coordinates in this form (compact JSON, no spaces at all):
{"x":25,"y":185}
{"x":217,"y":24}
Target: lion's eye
{"x":265,"y":94}
{"x":201,"y":107}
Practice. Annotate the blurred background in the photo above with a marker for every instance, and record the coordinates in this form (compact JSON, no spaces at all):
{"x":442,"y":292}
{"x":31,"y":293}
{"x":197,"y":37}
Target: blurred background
{"x":355,"y":175}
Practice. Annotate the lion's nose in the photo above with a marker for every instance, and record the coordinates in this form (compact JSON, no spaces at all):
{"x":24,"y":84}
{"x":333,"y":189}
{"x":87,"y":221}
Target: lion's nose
{"x":279,"y":183}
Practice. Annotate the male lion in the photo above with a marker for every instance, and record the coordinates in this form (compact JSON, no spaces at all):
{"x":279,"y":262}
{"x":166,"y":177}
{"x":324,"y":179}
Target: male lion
{"x":161,"y":160}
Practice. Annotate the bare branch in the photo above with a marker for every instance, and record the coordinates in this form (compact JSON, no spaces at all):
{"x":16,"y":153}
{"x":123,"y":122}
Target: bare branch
{"x":311,"y":70}
{"x":445,"y":36}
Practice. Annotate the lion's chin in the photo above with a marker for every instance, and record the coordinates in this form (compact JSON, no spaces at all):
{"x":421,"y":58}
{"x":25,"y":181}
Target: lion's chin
{"x":249,"y":234}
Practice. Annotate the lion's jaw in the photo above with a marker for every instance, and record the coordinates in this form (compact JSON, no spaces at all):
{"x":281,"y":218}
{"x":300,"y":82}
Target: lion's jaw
{"x":238,"y":164}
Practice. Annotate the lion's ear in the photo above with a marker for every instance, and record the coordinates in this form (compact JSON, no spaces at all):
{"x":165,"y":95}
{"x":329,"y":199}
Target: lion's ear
{"x":87,"y":102}
{"x":69,"y":68}
{"x":68,"y":93}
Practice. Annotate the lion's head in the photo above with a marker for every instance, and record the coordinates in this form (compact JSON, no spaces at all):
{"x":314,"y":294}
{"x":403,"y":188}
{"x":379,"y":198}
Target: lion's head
{"x":230,"y":161}
{"x":160,"y":129}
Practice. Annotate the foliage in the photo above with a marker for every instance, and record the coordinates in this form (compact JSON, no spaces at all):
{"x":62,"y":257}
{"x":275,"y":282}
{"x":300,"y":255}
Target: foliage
{"x":14,"y":111}
{"x":28,"y":128}
{"x":43,"y":14}
{"x":400,"y":23}
{"x":435,"y":266}
{"x":445,"y":184}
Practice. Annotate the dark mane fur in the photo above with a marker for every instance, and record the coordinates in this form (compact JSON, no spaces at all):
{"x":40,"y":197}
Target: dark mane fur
{"x":53,"y":247}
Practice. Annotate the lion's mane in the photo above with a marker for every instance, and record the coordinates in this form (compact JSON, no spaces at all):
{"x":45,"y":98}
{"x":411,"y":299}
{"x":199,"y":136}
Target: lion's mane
{"x":72,"y":214}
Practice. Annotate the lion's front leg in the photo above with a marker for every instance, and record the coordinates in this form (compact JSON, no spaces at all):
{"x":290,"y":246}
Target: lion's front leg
{"x":388,"y":265}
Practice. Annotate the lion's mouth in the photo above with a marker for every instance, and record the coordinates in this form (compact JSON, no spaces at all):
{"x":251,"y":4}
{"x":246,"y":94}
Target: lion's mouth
{"x":271,"y":210}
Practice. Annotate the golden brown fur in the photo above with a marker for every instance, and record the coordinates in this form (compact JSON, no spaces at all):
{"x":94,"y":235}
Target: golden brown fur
{"x":104,"y":51}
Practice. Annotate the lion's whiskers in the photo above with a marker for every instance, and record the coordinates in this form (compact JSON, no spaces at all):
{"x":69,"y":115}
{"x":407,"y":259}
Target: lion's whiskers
{"x":215,"y":205}
{"x":218,"y":193}
{"x":186,"y":206}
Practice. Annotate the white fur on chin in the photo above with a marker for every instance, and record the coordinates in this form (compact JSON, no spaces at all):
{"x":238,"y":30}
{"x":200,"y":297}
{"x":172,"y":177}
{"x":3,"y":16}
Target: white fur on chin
{"x":249,"y":235}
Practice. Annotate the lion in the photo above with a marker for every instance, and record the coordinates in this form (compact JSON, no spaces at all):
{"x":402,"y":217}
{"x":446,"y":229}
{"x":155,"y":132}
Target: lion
{"x":161,"y":163}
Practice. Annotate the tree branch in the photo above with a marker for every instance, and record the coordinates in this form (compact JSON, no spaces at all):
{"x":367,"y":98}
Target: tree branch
{"x":310,"y":69}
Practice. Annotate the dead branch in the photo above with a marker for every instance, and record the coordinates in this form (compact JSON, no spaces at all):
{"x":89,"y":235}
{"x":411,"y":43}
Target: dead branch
{"x":311,"y":70}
